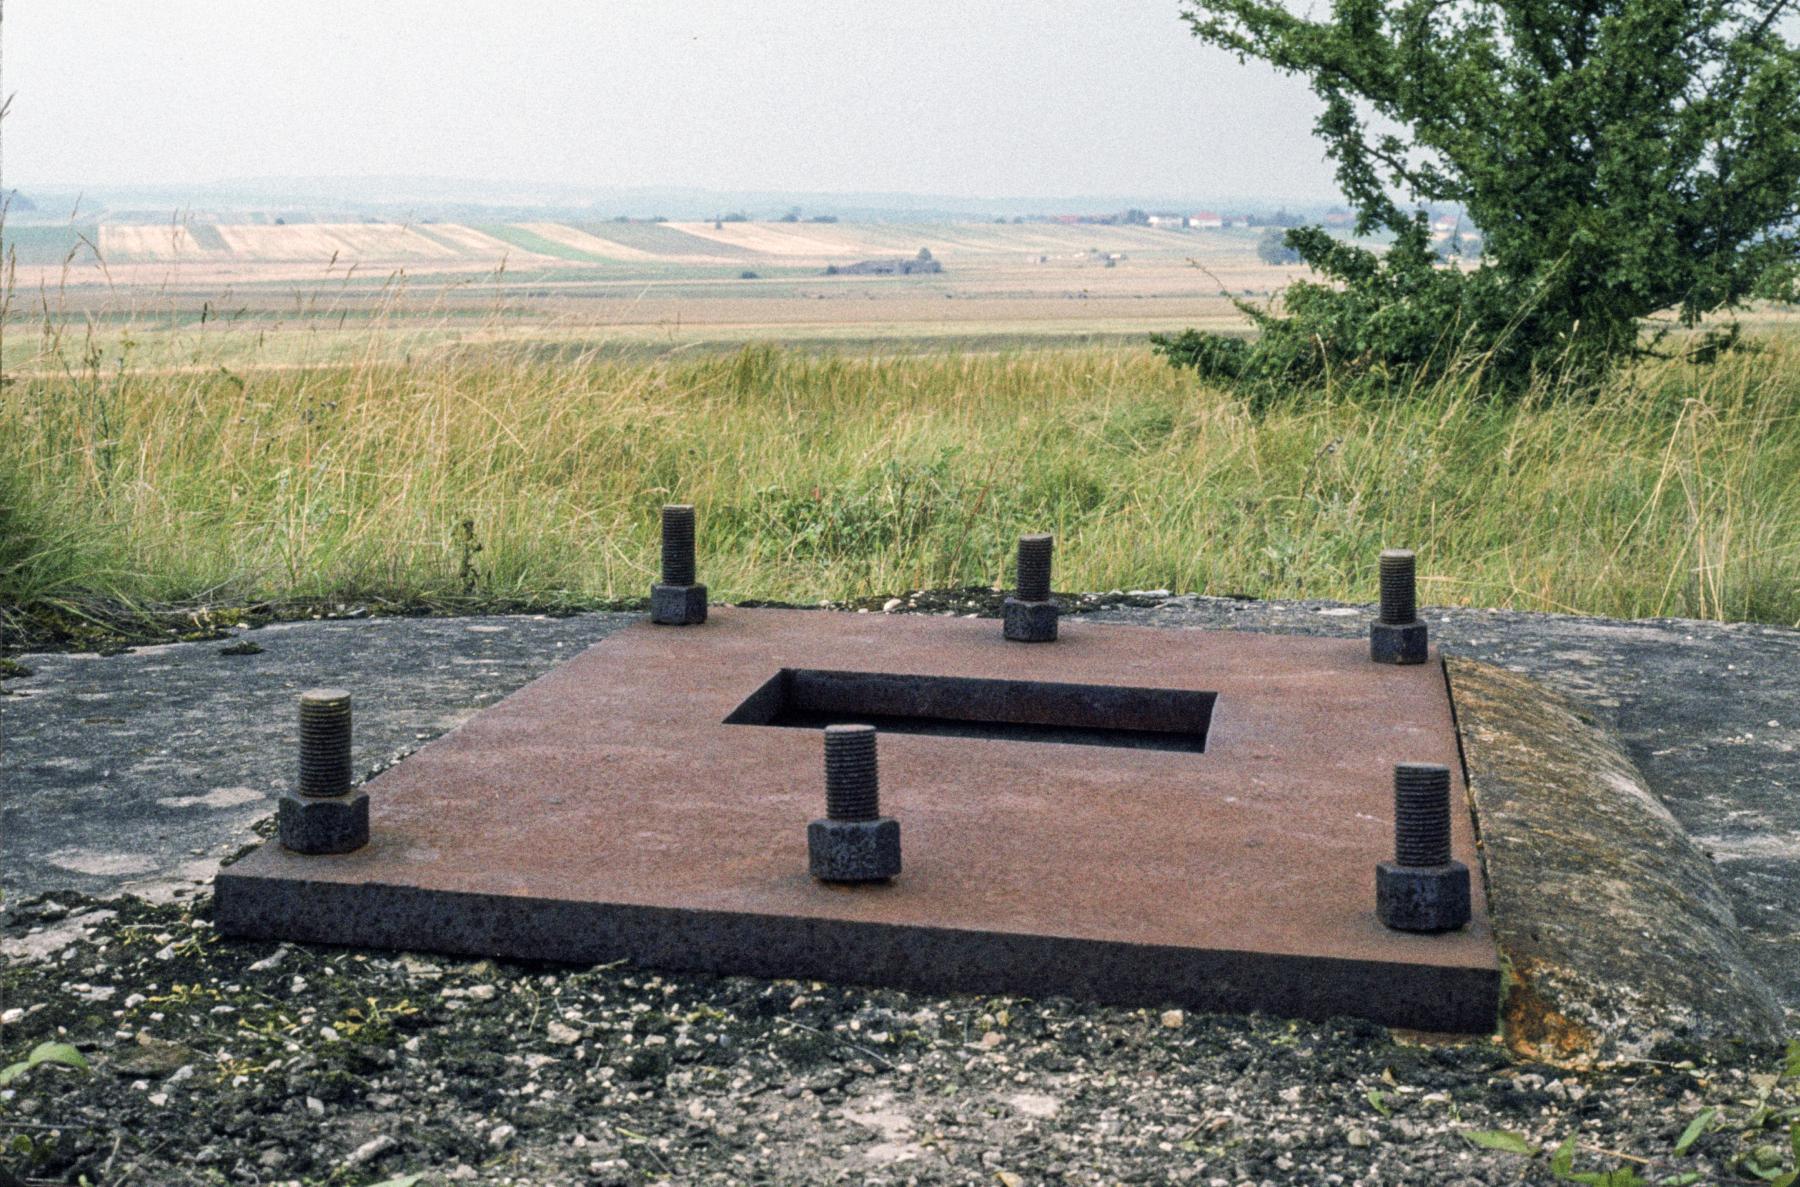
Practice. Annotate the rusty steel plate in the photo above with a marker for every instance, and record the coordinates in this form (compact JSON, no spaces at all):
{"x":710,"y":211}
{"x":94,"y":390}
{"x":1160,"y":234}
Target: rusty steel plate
{"x":1133,"y":815}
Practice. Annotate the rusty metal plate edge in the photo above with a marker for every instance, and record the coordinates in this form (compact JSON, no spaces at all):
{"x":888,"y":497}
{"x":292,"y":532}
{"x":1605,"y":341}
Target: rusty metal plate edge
{"x":938,"y":960}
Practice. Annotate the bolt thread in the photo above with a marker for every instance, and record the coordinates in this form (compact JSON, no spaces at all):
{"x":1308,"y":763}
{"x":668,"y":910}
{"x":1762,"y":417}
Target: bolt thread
{"x":1399,"y":589}
{"x":852,"y":783}
{"x":324,"y":742}
{"x":677,"y":544}
{"x":1034,"y":567}
{"x":1421,"y":814}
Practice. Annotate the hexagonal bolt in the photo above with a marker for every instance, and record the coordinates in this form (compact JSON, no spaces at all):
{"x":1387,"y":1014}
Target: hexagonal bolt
{"x":321,"y":813}
{"x":1397,"y":636}
{"x":1029,"y":615}
{"x":678,"y":600}
{"x":1422,"y":889}
{"x":855,"y":842}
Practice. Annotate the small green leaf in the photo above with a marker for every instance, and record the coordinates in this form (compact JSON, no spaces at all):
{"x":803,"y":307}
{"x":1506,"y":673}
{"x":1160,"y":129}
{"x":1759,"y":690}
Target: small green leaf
{"x":1500,"y":1139}
{"x":1563,"y":1161}
{"x":43,"y":1053}
{"x":1695,"y":1128}
{"x":1378,"y":1102}
{"x":1791,"y":1067}
{"x":57,"y":1053}
{"x":1684,"y":1179}
{"x":402,"y":1181}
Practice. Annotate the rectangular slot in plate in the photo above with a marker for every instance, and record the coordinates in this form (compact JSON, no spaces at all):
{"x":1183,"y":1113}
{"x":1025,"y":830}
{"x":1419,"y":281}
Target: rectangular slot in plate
{"x":996,"y":710}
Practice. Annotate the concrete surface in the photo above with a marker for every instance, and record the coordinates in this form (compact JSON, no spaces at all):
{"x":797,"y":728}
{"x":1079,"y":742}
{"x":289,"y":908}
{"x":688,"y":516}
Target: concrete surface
{"x":140,"y":771}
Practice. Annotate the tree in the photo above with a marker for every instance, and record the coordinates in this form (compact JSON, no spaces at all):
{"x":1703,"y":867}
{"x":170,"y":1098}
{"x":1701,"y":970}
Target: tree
{"x":1272,"y":248}
{"x":1618,"y":157}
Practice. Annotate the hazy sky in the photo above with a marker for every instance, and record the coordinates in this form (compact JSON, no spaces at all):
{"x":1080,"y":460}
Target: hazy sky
{"x":966,"y":97}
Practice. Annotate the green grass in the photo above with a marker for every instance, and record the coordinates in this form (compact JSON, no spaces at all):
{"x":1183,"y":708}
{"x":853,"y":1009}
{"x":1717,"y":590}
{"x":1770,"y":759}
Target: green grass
{"x":662,"y":240}
{"x":533,"y":242}
{"x":819,"y":475}
{"x":207,"y":236}
{"x":48,"y":245}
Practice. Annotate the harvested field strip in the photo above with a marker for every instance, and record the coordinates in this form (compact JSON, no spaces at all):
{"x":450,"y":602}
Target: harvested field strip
{"x":467,"y":241}
{"x":134,"y":244}
{"x":784,"y":239}
{"x":350,"y":242}
{"x":592,"y":246}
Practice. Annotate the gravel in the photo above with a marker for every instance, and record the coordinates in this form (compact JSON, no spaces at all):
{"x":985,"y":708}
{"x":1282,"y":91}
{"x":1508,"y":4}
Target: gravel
{"x":219,"y":1062}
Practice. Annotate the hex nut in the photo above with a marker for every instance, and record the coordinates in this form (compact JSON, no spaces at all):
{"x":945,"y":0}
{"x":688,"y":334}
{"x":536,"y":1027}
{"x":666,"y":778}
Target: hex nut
{"x":1422,"y":898}
{"x":678,"y":605}
{"x":1397,"y":643}
{"x":1029,"y":622}
{"x":854,"y":850}
{"x":324,"y":824}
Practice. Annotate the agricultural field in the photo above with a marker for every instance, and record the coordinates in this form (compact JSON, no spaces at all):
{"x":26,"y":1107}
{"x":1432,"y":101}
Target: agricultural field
{"x":638,"y":287}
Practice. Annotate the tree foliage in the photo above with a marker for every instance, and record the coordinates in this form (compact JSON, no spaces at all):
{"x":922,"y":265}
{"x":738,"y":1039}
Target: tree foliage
{"x":1273,"y":248}
{"x":1620,"y":158}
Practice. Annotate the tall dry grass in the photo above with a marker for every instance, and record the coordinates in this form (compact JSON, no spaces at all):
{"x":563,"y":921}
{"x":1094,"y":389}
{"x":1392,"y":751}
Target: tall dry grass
{"x":496,"y":471}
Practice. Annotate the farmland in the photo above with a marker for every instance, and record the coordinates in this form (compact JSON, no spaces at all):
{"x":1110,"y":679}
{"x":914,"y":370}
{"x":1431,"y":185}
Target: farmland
{"x":631,"y":286}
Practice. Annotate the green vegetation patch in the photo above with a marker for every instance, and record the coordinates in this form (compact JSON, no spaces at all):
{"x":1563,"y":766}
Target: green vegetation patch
{"x":207,"y":236}
{"x":1675,"y":491}
{"x":48,"y":245}
{"x":533,"y":242}
{"x":661,"y":239}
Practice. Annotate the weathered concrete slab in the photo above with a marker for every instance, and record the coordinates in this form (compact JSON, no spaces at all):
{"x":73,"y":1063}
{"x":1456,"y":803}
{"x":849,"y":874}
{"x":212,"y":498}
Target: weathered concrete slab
{"x":1708,"y":712}
{"x":625,"y":806}
{"x":141,"y":771}
{"x":107,"y":763}
{"x":1617,"y":933}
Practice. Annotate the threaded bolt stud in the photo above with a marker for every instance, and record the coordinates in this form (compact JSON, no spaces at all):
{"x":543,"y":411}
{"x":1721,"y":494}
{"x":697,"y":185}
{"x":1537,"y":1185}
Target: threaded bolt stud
{"x":1035,"y":553}
{"x":1422,"y":889}
{"x":852,"y":780}
{"x":1399,"y":587}
{"x":1421,"y":814}
{"x":677,"y":544}
{"x":324,"y":742}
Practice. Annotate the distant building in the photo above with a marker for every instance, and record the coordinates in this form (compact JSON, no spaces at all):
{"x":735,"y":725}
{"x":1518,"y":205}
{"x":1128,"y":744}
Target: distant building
{"x":1173,"y":222}
{"x":1206,"y":220}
